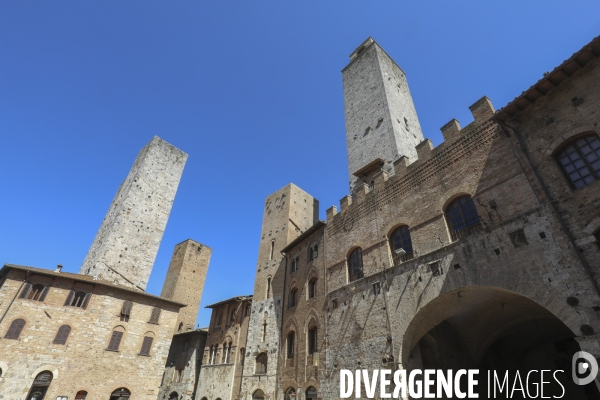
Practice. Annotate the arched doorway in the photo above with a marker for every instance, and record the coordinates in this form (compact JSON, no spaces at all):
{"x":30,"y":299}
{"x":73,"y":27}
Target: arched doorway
{"x":258,"y":395}
{"x":40,"y":385}
{"x":173,"y":396}
{"x":120,"y":394}
{"x":489,"y":328}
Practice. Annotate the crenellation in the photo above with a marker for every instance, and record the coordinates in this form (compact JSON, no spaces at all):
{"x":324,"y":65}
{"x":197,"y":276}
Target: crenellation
{"x":424,"y":149}
{"x":345,"y":202}
{"x":451,"y":130}
{"x":331,"y":212}
{"x":482,"y":109}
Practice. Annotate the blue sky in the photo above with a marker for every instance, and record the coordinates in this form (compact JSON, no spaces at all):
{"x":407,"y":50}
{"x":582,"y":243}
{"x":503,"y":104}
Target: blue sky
{"x":251,"y":90}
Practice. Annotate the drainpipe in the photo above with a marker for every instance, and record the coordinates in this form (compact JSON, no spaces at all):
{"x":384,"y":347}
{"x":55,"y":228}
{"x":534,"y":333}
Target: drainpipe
{"x":552,"y":206}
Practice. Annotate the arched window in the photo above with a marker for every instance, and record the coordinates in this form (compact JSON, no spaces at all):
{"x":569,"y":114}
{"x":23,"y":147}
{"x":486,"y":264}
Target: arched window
{"x":126,"y":310}
{"x":311,"y":393}
{"x":62,"y":335}
{"x":174,"y":396}
{"x":120,"y":394}
{"x":401,"y":245}
{"x":15,"y":329}
{"x":290,"y":394}
{"x":78,"y":299}
{"x":258,"y":395}
{"x":40,"y":385}
{"x":580,"y":160}
{"x":295,"y":261}
{"x":313,"y":252}
{"x":312,"y":288}
{"x":312,"y":340}
{"x":293,"y":298}
{"x":291,"y":338}
{"x":155,"y":316}
{"x":81,"y":395}
{"x":268,"y":287}
{"x":115,"y":339}
{"x":261,"y":364}
{"x":147,"y":344}
{"x":242,"y":355}
{"x":355,"y":265}
{"x":462,"y":217}
{"x":34,"y":292}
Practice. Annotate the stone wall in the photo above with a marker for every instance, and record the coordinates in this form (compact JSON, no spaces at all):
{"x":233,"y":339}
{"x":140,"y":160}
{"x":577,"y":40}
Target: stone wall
{"x":127,"y":242}
{"x":83,"y":363}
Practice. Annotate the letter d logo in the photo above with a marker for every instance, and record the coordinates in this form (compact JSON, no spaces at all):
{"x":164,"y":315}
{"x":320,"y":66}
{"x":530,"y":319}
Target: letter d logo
{"x":583,"y":364}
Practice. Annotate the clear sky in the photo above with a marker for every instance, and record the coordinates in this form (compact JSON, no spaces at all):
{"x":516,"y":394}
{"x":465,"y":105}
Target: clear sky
{"x":251,"y":90}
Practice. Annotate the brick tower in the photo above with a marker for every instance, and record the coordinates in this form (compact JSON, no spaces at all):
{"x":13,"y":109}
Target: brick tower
{"x":185,"y":281}
{"x":288,"y":212}
{"x":381,"y":121}
{"x":126,"y":244}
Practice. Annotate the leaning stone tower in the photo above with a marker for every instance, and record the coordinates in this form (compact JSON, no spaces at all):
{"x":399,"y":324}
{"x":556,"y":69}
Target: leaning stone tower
{"x":126,"y":244}
{"x":381,"y":120}
{"x":288,"y":213}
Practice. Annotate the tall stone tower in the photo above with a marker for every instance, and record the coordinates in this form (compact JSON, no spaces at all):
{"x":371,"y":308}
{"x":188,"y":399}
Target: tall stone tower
{"x":185,"y":281}
{"x":381,"y":120}
{"x":288,"y":212}
{"x":125,"y":247}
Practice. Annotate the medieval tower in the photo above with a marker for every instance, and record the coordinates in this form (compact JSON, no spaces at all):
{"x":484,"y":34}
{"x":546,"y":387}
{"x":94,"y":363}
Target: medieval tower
{"x":288,"y":213}
{"x":381,"y":121}
{"x":126,"y":244}
{"x":185,"y":280}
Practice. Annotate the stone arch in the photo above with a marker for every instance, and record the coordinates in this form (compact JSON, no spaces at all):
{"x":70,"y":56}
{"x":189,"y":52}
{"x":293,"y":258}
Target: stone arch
{"x":532,"y":296}
{"x":396,"y":223}
{"x":569,"y":135}
{"x":45,"y":367}
{"x":312,"y":319}
{"x":460,"y":191}
{"x":291,"y":324}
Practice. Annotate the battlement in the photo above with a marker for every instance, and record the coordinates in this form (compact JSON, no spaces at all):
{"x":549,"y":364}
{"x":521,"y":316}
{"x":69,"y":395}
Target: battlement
{"x":458,"y":143}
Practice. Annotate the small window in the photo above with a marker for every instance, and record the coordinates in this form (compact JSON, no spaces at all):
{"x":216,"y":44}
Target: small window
{"x":355,"y":265}
{"x":401,"y":245}
{"x":126,"y":310}
{"x":228,"y":358}
{"x":78,"y":299}
{"x":313,"y":252}
{"x":268,"y":287}
{"x":312,"y":288}
{"x":295,"y":264}
{"x":580,"y":160}
{"x":258,"y":395}
{"x":232,"y":316}
{"x":120,"y":394}
{"x":62,"y":335}
{"x":180,"y":328}
{"x":155,"y":316}
{"x":377,"y":288}
{"x":115,"y":339}
{"x":261,"y":364}
{"x":248,"y":308}
{"x":312,"y":340}
{"x":292,"y":300}
{"x":334,"y":304}
{"x":271,"y":253}
{"x":81,"y":395}
{"x":290,"y":344}
{"x":462,"y":217}
{"x":242,"y":355}
{"x":36,"y":292}
{"x":15,"y":329}
{"x":146,"y":346}
{"x":436,"y":269}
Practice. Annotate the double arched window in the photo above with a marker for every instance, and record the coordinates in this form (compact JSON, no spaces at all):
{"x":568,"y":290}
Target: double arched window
{"x":78,"y":299}
{"x":580,"y":160}
{"x":34,"y":292}
{"x":401,"y":244}
{"x":462,"y":217}
{"x":355,"y":265}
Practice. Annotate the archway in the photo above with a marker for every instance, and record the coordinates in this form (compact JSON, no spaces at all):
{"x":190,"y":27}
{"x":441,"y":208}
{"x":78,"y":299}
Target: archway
{"x":40,"y":385}
{"x":173,"y":396}
{"x":489,"y":328}
{"x":258,"y":395}
{"x":120,"y":394}
{"x":290,"y":394}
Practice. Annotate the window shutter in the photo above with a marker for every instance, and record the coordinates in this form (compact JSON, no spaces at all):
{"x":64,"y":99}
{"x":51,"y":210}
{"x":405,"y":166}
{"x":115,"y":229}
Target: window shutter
{"x":44,"y":293}
{"x":115,"y":341}
{"x":86,"y":300}
{"x":126,"y":309}
{"x":70,"y":298}
{"x":62,"y":334}
{"x":146,"y":345}
{"x":14,"y":331}
{"x":25,"y":291}
{"x":154,"y":317}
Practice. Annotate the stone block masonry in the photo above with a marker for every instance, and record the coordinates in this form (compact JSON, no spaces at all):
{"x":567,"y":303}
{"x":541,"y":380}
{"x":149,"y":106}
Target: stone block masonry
{"x":126,"y":244}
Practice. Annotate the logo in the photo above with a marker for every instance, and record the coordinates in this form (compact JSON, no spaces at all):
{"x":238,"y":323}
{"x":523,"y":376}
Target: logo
{"x":584,"y":367}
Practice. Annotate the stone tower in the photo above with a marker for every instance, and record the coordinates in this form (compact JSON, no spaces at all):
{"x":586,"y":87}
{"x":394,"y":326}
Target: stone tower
{"x":381,"y":121}
{"x":184,"y":282}
{"x":288,"y":212}
{"x":125,"y":247}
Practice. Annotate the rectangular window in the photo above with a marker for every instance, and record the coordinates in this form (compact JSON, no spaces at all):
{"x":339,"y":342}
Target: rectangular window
{"x":312,"y":341}
{"x":334,"y":303}
{"x":377,"y":288}
{"x":436,"y":269}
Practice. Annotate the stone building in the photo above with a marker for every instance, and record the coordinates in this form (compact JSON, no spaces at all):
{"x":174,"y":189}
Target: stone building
{"x":98,"y":334}
{"x":225,"y":350}
{"x":483,"y":252}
